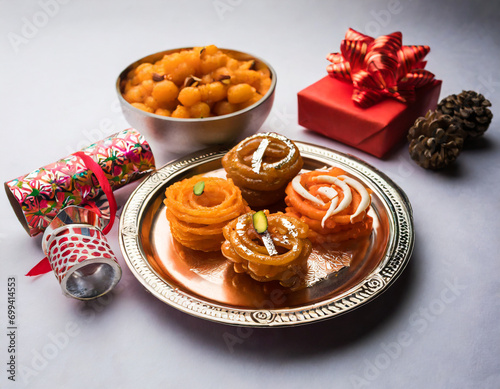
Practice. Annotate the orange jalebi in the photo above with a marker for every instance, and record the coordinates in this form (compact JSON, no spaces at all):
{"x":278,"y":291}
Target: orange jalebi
{"x":196,"y":221}
{"x":261,"y":166}
{"x":332,"y":204}
{"x":245,"y":247}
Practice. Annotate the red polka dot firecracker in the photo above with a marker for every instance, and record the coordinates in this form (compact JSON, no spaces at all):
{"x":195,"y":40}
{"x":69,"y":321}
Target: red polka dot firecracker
{"x":79,"y":253}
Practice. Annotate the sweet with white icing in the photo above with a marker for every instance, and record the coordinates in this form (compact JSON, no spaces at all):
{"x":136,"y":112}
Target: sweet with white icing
{"x":346,"y":201}
{"x":297,"y":187}
{"x":365,"y":196}
{"x":344,"y":183}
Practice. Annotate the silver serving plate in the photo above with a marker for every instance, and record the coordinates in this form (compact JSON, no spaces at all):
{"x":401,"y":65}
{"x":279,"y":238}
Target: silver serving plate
{"x":340,"y":278}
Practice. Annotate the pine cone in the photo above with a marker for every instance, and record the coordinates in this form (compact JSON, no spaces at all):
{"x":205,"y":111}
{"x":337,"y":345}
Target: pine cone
{"x":435,"y":140}
{"x":471,"y":111}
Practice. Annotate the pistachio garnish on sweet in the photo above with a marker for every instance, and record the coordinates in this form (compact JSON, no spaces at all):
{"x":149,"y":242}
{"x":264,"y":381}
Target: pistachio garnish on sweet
{"x":198,"y":188}
{"x":260,"y":222}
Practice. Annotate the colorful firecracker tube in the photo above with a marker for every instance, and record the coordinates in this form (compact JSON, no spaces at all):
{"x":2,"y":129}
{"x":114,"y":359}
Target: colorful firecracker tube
{"x":374,"y":91}
{"x":37,"y":197}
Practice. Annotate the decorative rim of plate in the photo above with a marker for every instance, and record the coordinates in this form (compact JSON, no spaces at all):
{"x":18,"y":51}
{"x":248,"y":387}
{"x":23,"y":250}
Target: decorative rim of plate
{"x":396,"y":257}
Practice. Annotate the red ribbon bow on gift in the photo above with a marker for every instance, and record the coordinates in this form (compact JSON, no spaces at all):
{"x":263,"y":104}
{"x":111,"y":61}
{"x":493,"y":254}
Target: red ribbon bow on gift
{"x":380,"y":67}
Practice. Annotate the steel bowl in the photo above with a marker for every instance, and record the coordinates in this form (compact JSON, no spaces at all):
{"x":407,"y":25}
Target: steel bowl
{"x":181,"y":136}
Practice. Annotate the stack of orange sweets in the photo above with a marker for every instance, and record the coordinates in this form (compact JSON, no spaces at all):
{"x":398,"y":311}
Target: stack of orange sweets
{"x":196,"y":83}
{"x":197,"y":218}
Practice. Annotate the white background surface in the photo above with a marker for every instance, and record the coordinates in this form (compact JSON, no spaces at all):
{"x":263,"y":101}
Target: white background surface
{"x":437,"y":327}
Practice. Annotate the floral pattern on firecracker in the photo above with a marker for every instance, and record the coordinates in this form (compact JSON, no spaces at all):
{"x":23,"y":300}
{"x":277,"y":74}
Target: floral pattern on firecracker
{"x":42,"y":193}
{"x":75,"y":246}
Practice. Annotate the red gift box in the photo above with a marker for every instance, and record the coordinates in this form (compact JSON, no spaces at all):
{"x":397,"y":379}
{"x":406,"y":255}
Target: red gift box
{"x":327,"y":107}
{"x":375,"y":91}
